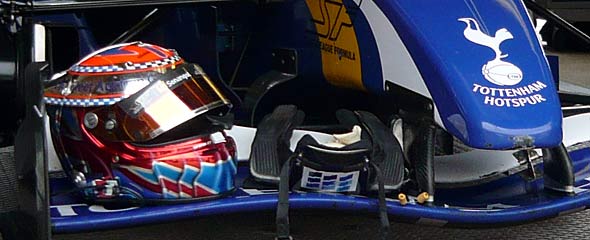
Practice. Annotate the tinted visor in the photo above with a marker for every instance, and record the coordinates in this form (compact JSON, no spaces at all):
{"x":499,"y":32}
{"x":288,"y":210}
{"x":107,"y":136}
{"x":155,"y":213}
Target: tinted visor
{"x":170,"y":98}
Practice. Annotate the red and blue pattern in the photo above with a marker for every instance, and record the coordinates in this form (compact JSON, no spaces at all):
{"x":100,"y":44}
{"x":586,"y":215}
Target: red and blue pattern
{"x":179,"y":179}
{"x":125,"y":58}
{"x":193,"y":174}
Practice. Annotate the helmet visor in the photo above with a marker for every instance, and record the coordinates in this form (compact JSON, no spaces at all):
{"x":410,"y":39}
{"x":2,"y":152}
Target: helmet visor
{"x":167,"y":101}
{"x":159,"y":107}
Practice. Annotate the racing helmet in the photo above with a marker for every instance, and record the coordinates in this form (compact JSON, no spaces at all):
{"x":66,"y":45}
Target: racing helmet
{"x":134,"y":121}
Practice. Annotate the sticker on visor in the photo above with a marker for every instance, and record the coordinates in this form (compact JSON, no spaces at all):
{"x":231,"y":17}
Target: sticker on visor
{"x":162,"y":106}
{"x":158,"y":108}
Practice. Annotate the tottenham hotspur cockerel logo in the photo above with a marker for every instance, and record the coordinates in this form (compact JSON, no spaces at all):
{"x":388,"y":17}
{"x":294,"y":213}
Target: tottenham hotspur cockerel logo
{"x":496,"y":71}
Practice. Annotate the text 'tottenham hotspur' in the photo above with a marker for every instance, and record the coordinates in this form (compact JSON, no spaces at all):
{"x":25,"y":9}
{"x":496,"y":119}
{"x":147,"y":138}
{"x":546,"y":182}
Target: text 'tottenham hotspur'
{"x":511,"y":97}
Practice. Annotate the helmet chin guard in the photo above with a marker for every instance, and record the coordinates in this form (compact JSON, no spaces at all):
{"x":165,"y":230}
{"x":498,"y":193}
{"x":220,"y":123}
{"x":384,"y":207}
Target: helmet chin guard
{"x":130,"y":120}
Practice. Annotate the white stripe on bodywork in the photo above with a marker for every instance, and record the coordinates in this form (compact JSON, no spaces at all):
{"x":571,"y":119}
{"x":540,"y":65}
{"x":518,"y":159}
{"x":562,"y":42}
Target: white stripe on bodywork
{"x":576,"y":129}
{"x":53,"y":161}
{"x":67,"y":210}
{"x":397,"y":65}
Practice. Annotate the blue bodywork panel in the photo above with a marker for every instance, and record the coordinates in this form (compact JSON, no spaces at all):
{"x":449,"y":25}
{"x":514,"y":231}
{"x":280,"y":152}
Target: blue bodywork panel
{"x":484,"y":68}
{"x":508,"y":200}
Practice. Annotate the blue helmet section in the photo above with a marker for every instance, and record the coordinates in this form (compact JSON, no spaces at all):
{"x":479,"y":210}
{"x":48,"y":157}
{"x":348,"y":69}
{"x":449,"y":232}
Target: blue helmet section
{"x":484,"y":68}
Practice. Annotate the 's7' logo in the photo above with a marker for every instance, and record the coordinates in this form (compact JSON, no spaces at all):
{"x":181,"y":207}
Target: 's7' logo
{"x":330,"y":19}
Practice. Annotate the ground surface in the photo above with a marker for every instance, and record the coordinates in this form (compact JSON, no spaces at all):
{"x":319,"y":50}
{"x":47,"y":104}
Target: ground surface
{"x":574,"y":67}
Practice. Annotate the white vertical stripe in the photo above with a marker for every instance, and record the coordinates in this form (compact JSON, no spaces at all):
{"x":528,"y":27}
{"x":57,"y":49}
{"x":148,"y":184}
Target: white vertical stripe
{"x":397,"y":64}
{"x":39,"y":43}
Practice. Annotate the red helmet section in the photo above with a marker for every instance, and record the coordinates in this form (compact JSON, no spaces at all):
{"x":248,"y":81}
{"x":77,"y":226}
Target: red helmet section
{"x":126,"y":58}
